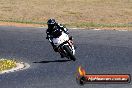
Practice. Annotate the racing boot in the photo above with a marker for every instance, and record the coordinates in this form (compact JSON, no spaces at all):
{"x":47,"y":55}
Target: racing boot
{"x":55,"y":48}
{"x":62,"y":55}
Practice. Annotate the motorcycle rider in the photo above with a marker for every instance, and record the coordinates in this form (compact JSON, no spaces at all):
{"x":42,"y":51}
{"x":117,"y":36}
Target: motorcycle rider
{"x":54,"y":31}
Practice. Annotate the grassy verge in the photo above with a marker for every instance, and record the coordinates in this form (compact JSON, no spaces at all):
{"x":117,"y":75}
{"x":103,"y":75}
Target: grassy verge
{"x":24,"y":22}
{"x":78,"y":25}
{"x":98,"y":25}
{"x":7,"y":64}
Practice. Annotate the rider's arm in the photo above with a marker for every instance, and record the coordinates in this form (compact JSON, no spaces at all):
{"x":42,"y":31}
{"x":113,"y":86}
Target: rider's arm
{"x":48,"y":34}
{"x":63,"y":28}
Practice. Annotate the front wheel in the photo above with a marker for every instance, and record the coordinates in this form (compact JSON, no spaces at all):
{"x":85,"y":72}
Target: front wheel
{"x":70,"y":54}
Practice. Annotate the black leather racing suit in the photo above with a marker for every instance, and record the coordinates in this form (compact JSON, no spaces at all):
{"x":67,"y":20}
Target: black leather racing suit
{"x":51,"y":33}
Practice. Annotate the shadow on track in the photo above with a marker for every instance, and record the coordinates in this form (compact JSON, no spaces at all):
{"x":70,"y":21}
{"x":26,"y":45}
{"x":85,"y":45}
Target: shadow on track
{"x":52,"y":61}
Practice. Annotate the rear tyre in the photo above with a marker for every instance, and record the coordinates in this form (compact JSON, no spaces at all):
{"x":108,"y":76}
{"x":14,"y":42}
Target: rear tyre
{"x":72,"y":57}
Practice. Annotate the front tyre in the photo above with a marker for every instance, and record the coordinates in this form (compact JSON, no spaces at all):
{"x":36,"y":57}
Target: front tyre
{"x":70,"y":54}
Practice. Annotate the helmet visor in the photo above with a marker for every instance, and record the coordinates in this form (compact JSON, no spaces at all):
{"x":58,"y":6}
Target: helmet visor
{"x":50,"y":26}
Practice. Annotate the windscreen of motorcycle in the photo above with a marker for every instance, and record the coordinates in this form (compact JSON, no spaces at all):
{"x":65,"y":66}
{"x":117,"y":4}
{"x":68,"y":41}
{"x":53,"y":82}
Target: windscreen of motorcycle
{"x":64,"y":37}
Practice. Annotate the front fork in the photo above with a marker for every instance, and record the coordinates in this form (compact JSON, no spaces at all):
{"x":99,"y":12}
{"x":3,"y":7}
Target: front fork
{"x":72,"y":46}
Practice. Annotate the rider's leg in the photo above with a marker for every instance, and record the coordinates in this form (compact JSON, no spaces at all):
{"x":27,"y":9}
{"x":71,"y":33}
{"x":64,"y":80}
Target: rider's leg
{"x":61,"y":52}
{"x":54,"y":47}
{"x":56,"y":50}
{"x":62,"y":55}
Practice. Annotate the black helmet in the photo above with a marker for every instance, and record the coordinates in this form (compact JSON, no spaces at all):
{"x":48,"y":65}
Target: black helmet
{"x":51,"y":21}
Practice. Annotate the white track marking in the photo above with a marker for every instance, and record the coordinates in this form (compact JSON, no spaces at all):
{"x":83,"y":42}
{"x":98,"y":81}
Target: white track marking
{"x":20,"y":66}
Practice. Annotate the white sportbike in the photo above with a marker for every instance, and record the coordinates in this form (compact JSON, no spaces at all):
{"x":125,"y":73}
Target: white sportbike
{"x":65,"y":46}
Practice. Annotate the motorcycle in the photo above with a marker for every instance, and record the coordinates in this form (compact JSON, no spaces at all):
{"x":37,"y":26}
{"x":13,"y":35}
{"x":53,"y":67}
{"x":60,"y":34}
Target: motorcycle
{"x":65,"y":46}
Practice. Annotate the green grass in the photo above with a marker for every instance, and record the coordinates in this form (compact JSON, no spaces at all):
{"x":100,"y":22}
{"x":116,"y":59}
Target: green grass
{"x":79,"y":25}
{"x":24,"y":21}
{"x":91,"y":24}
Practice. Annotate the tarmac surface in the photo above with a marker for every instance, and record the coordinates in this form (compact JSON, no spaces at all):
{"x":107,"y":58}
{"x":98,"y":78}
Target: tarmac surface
{"x":98,"y":52}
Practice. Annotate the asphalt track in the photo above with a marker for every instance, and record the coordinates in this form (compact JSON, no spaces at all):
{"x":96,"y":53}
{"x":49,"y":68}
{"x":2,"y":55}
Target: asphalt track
{"x":98,"y":52}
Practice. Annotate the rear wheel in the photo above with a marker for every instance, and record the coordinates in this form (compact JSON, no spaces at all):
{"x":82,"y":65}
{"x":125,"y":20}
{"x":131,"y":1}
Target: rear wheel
{"x":72,"y":57}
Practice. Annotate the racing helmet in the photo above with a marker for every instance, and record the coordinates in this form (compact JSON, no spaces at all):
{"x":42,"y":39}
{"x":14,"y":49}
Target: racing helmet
{"x":51,"y":23}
